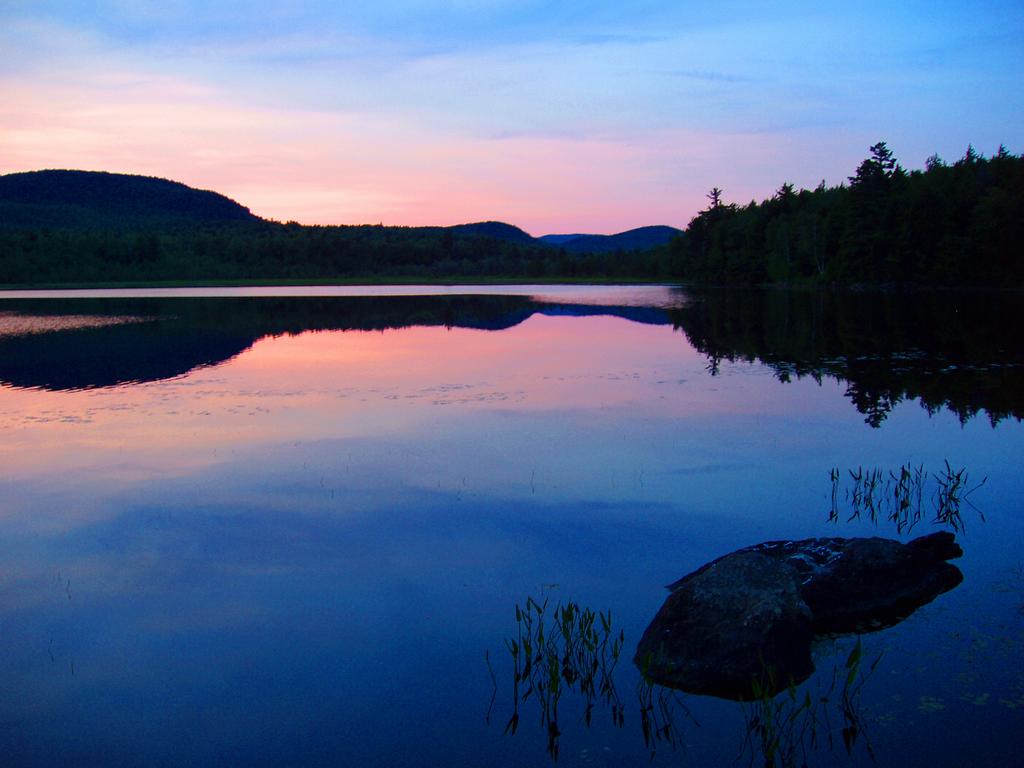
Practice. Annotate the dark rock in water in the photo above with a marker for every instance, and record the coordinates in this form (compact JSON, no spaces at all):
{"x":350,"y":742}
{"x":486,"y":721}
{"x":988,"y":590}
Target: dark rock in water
{"x":725,"y":624}
{"x":752,"y":614}
{"x":857,"y":585}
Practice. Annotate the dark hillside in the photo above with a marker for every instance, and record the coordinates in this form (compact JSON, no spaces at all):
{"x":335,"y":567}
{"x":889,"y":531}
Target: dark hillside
{"x":499,"y":230}
{"x":59,"y":227}
{"x":90,"y":199}
{"x":641,"y":238}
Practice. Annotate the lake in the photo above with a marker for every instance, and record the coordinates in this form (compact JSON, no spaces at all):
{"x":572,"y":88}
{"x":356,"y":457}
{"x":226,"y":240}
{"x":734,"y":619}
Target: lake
{"x":293,"y":526}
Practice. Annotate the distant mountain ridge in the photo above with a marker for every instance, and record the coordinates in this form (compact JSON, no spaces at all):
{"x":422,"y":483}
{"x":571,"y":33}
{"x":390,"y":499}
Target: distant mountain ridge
{"x":70,"y":199}
{"x":637,"y":239}
{"x":640,"y":238}
{"x":77,"y":199}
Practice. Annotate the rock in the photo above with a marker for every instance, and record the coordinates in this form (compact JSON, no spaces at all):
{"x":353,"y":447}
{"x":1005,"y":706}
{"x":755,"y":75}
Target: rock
{"x":725,"y":624}
{"x":868,"y":584}
{"x":753,"y":614}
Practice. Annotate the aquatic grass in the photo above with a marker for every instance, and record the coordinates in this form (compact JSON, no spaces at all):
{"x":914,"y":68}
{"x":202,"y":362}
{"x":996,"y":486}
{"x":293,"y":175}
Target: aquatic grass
{"x":569,"y":649}
{"x":898,"y":496}
{"x":658,"y":708}
{"x":784,"y":728}
{"x":954,"y":490}
{"x":572,"y":650}
{"x":778,"y":726}
{"x":494,"y":687}
{"x":575,"y":650}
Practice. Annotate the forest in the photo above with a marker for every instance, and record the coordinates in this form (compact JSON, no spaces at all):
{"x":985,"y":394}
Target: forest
{"x":959,"y":224}
{"x":948,"y":225}
{"x":267,"y":250}
{"x":60,"y":227}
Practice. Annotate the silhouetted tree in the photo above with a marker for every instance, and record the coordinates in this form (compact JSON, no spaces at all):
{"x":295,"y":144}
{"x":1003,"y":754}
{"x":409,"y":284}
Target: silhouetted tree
{"x":959,"y":224}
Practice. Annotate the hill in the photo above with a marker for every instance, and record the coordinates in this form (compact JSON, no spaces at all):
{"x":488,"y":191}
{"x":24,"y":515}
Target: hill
{"x":60,"y":227}
{"x":559,"y":239}
{"x":641,"y":238}
{"x":93,"y":199}
{"x":499,"y":230}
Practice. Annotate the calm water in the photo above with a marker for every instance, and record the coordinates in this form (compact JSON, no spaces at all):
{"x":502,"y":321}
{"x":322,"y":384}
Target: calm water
{"x":268,"y":528}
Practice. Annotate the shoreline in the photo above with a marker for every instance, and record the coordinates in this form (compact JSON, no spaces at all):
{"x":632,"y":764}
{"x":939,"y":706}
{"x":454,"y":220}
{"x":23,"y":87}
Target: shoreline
{"x":511,"y":280}
{"x":328,"y":281}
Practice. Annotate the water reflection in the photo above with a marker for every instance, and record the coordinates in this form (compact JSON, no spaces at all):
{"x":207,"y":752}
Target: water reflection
{"x":278,"y":559}
{"x":570,"y":653}
{"x":958,"y":352}
{"x":784,"y":730}
{"x":61,"y":344}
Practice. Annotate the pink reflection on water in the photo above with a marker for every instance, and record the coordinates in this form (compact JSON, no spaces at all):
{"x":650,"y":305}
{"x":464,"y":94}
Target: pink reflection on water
{"x":337,"y":383}
{"x":414,"y":383}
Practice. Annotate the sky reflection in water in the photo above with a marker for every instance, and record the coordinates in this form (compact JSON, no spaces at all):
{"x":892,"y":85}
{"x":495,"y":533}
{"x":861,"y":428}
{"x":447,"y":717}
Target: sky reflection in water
{"x":301,"y":554}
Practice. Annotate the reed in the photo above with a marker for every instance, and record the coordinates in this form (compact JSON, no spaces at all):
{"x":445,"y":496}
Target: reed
{"x":898,"y":496}
{"x":567,"y":649}
{"x":571,"y":650}
{"x":659,"y":707}
{"x":783,"y":729}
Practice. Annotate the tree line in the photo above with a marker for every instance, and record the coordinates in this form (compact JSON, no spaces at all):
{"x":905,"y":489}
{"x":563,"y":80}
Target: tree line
{"x":266,"y":250}
{"x":959,"y":224}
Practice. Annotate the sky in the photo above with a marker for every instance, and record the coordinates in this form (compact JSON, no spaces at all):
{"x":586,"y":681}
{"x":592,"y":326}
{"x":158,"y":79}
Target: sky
{"x":559,"y":117}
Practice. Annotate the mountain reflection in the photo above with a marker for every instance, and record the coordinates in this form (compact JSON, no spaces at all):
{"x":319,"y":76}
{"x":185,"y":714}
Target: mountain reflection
{"x":163,"y":338}
{"x":950,"y":351}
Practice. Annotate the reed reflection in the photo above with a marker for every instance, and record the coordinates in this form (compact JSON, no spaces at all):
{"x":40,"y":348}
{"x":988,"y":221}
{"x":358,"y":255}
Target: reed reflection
{"x":566,"y":657}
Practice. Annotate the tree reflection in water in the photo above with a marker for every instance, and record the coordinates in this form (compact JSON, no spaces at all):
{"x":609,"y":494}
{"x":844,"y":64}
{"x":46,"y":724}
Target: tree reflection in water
{"x":955,"y":351}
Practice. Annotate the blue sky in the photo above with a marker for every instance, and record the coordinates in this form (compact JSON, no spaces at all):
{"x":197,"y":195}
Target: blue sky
{"x":556,"y":116}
